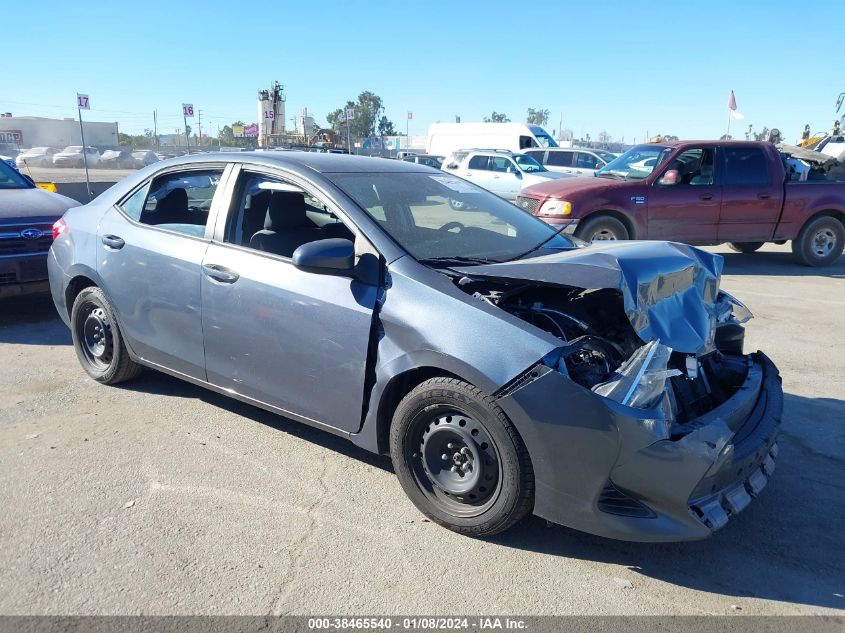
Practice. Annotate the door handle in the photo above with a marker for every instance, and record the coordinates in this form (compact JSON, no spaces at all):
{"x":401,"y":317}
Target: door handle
{"x":113,"y":241}
{"x":706,"y":196}
{"x":763,"y":196}
{"x":220,"y":273}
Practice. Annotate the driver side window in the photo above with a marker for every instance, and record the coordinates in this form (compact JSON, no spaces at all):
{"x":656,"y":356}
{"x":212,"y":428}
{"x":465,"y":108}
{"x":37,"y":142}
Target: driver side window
{"x":692,"y":167}
{"x":277,"y":217}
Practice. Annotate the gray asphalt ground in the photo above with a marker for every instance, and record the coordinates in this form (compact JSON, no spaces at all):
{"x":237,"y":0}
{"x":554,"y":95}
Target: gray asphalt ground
{"x":158,"y":497}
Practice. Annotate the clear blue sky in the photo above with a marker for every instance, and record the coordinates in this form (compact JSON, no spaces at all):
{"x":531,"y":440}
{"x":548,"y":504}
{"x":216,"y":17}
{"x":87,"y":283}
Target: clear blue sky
{"x":623,"y":67}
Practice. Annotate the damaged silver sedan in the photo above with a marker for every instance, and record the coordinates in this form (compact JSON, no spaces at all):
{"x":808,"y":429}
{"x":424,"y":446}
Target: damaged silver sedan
{"x":506,"y":369}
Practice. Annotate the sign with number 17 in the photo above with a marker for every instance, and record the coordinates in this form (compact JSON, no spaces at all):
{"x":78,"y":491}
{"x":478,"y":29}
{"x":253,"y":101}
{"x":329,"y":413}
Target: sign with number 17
{"x":188,"y":109}
{"x":82,"y":102}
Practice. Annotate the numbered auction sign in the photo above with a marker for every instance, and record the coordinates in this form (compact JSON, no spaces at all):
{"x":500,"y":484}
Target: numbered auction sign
{"x":188,"y":109}
{"x":82,"y":102}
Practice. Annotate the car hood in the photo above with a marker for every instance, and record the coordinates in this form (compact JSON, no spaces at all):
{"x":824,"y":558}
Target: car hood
{"x":669,"y":289}
{"x":568,"y":186}
{"x":33,"y":203}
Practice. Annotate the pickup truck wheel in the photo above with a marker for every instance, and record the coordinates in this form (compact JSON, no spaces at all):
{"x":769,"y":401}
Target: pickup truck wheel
{"x":98,"y":340}
{"x":459,"y":459}
{"x":601,"y":228}
{"x":745,"y":247}
{"x":820,"y":242}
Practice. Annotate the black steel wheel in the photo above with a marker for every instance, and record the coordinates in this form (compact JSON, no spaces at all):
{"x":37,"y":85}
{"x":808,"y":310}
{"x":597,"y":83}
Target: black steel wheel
{"x":459,"y":458}
{"x":97,"y":339}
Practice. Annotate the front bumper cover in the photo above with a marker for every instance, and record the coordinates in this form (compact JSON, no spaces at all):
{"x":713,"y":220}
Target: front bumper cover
{"x":597,"y":462}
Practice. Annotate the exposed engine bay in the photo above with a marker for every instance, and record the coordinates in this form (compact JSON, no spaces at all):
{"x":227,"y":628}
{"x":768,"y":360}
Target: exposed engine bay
{"x":601,"y":350}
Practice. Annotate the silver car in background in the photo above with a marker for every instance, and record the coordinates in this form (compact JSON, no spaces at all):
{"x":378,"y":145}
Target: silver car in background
{"x":575,"y":161}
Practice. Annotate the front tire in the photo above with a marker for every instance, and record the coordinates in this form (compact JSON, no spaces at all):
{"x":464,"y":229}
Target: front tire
{"x":459,"y":458}
{"x":820,"y":242}
{"x":98,"y":340}
{"x":602,"y":228}
{"x":745,"y":247}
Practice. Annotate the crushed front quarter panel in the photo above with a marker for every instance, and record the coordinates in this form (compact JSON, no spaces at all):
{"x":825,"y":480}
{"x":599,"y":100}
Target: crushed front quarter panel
{"x":659,"y":281}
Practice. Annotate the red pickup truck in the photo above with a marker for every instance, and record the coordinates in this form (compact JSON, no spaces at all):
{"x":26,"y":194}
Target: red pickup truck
{"x":699,"y":192}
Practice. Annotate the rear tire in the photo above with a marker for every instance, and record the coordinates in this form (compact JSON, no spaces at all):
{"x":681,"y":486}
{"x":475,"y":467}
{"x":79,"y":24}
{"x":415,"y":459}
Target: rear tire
{"x":745,"y":247}
{"x":602,"y":228}
{"x":98,"y":340}
{"x":820,"y":242}
{"x":459,"y":458}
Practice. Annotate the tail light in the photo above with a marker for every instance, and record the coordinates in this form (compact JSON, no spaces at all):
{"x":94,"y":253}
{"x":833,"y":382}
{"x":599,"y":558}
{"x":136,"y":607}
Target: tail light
{"x":59,"y":228}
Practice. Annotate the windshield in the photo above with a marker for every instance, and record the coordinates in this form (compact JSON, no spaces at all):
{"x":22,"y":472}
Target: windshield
{"x":73,"y":149}
{"x":11,"y":179}
{"x":528,"y":164}
{"x":605,"y":156}
{"x":441,"y":217}
{"x":637,"y":163}
{"x":543,"y":137}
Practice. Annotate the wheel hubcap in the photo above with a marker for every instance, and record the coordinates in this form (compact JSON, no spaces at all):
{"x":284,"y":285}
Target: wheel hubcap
{"x":603,"y":235}
{"x":459,"y":459}
{"x":97,"y":336}
{"x":823,"y":242}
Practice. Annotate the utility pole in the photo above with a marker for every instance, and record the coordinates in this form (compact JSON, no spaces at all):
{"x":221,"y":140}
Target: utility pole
{"x":199,"y":125}
{"x":155,"y":127}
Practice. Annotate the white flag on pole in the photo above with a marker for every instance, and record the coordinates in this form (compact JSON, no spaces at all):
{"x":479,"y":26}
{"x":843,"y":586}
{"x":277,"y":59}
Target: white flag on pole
{"x":735,"y":114}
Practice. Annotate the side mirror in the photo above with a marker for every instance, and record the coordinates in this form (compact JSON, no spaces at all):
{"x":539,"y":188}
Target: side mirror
{"x":333,"y":256}
{"x":671,"y":177}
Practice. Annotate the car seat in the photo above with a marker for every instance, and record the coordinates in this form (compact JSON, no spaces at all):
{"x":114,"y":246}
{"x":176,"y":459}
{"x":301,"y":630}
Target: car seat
{"x":286,"y":227}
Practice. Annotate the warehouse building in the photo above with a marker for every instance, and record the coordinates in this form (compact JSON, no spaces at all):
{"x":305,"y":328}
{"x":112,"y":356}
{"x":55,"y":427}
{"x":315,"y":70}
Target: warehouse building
{"x":33,"y":131}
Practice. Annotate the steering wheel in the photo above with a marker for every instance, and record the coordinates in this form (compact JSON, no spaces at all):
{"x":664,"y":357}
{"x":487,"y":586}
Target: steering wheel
{"x":452,"y":225}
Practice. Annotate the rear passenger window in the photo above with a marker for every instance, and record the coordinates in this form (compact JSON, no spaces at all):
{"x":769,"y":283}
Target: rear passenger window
{"x":134,"y":204}
{"x":478,"y":162}
{"x":177,"y":201}
{"x":745,"y":166}
{"x":560,"y":159}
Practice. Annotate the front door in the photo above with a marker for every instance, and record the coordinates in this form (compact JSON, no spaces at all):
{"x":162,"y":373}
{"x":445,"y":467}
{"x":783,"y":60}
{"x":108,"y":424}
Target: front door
{"x":684,"y":200}
{"x":150,"y":249}
{"x":295,"y":340}
{"x":506,"y":178}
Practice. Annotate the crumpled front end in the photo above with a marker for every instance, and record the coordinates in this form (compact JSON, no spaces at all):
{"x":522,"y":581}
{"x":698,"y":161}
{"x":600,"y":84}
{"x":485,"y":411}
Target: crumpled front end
{"x":626,"y":473}
{"x":647,"y":422}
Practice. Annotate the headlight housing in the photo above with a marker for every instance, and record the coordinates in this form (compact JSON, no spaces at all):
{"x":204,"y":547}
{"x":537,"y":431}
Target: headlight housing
{"x":555,"y":209}
{"x":640,"y":381}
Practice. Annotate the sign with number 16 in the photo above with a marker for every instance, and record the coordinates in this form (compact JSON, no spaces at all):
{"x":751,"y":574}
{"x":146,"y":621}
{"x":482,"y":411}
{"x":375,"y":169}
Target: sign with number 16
{"x":188,"y":109}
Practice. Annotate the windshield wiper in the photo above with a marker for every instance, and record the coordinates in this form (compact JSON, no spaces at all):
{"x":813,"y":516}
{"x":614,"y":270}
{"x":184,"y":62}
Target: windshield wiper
{"x":458,"y":259}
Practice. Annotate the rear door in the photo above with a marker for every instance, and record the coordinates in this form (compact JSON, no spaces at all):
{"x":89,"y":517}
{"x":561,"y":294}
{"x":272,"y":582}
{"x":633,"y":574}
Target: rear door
{"x":560,"y":161}
{"x":685,"y":206}
{"x":150,"y":249}
{"x":478,"y":171}
{"x":295,"y":340}
{"x":751,"y":200}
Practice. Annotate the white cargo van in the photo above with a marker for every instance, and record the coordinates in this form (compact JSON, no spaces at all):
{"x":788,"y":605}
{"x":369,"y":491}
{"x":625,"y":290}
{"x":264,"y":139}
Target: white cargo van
{"x":445,"y":138}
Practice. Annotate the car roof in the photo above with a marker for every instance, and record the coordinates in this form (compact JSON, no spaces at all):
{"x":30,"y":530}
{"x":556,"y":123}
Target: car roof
{"x":321,"y":162}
